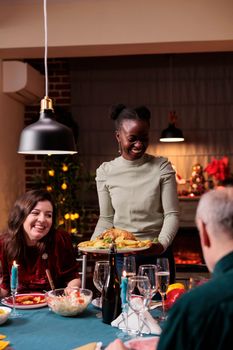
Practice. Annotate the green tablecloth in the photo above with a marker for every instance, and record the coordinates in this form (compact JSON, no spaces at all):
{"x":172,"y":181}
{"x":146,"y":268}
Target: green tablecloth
{"x":41,"y":329}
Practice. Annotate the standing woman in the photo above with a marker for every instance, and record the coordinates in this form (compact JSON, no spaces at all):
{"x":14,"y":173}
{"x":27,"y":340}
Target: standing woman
{"x":137,"y":191}
{"x":35,"y":245}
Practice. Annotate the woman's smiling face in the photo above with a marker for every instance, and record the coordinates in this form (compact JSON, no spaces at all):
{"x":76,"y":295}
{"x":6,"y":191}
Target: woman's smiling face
{"x":38,"y":222}
{"x":133,"y":138}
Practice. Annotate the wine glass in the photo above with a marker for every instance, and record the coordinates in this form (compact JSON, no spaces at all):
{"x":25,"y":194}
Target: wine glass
{"x":129,"y":266}
{"x":149,"y":270}
{"x":101,"y":272}
{"x":138,"y":296}
{"x":163,"y":278}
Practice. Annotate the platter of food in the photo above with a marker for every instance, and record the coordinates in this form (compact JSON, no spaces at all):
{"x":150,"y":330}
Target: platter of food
{"x":106,"y":250}
{"x":125,"y":242}
{"x":26,"y":301}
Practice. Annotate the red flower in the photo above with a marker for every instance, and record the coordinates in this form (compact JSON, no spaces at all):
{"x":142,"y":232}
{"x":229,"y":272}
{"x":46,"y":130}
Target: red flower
{"x":218,"y":168}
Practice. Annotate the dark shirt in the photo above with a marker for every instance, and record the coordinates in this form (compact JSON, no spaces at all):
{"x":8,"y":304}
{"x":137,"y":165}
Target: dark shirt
{"x":32,"y":276}
{"x":203,"y":318}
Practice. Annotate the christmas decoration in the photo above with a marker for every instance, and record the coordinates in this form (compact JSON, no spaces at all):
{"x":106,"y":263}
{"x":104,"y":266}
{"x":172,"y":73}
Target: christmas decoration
{"x":197,"y":180}
{"x":218,"y":169}
{"x":66,"y":180}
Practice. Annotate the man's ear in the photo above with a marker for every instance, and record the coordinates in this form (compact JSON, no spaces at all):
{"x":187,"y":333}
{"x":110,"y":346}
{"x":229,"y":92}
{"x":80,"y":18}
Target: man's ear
{"x":204,"y":235}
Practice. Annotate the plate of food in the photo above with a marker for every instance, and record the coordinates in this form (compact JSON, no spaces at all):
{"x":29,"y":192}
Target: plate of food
{"x":125,"y":242}
{"x":26,"y":301}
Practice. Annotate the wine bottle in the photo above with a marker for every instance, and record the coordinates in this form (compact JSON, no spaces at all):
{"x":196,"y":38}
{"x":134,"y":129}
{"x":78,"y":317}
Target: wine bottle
{"x":111,"y":300}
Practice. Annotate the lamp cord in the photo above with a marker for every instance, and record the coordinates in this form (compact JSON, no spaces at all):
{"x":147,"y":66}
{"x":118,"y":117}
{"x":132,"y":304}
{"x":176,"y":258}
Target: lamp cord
{"x":46,"y":47}
{"x":171,"y":82}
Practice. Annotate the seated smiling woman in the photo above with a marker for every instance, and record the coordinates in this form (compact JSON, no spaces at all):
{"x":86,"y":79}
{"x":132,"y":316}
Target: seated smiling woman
{"x":33,"y":242}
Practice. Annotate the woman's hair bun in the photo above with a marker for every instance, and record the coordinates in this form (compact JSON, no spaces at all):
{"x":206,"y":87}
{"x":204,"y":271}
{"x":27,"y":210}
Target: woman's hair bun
{"x":116,"y":110}
{"x":143,"y":112}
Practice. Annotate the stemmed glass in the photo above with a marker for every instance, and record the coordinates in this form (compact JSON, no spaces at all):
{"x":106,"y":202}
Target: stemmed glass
{"x":149,"y":270}
{"x":129,"y":266}
{"x":100,"y":275}
{"x":138,"y":296}
{"x":128,"y":270}
{"x":163,"y":278}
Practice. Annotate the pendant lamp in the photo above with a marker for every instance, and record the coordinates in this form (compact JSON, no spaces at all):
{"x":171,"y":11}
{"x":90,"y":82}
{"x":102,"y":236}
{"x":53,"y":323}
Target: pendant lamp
{"x":172,"y":133}
{"x":47,"y":136}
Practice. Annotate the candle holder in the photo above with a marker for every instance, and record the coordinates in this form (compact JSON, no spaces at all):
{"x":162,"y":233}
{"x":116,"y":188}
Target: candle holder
{"x":14,"y":285}
{"x":14,"y":313}
{"x":124,"y":332}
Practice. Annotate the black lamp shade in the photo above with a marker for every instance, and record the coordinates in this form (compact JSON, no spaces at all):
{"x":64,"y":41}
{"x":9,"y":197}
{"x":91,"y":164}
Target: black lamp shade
{"x":172,"y":134}
{"x":47,"y":136}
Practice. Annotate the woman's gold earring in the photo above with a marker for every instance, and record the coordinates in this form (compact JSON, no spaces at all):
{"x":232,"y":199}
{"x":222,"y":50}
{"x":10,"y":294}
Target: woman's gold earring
{"x":119,"y":148}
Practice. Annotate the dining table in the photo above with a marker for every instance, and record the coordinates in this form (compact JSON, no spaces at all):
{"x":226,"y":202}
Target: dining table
{"x":40,"y":328}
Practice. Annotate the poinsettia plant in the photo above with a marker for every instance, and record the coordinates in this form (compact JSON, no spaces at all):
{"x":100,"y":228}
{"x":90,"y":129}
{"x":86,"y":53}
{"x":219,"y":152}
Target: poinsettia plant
{"x":218,"y":168}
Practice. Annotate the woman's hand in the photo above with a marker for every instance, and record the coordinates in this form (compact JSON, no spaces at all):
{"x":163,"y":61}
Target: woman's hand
{"x":4,"y":293}
{"x":75,"y":283}
{"x":155,"y":249}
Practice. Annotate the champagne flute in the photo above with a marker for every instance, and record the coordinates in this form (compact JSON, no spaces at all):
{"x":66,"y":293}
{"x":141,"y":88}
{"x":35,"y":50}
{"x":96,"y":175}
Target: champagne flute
{"x":163,"y":278}
{"x":149,"y":270}
{"x":101,"y":271}
{"x":138,"y":296}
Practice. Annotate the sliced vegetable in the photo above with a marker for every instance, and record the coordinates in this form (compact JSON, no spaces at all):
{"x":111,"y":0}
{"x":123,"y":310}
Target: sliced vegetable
{"x":175,"y":286}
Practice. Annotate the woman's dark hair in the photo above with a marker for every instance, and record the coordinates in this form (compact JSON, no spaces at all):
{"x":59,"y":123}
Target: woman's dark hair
{"x":120,"y":112}
{"x":15,"y":240}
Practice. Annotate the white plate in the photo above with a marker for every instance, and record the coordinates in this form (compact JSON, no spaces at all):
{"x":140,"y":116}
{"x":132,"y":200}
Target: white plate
{"x":96,"y":303}
{"x":8,"y":301}
{"x":145,"y":343}
{"x":106,"y":250}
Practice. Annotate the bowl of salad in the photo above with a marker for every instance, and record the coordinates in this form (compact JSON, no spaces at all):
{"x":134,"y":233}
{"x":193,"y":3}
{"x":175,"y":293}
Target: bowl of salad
{"x":69,"y":302}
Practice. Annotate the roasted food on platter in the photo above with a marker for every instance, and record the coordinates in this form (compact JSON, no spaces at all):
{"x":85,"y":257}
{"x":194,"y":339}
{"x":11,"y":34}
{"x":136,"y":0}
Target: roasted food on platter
{"x":122,"y":238}
{"x":29,"y":299}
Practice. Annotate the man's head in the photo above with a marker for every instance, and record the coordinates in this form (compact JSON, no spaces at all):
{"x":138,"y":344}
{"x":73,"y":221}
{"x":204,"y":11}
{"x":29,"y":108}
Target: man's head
{"x":214,"y":219}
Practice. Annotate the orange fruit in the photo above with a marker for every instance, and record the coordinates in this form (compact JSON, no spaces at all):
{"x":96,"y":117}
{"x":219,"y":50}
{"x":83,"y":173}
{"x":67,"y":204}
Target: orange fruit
{"x":175,"y":286}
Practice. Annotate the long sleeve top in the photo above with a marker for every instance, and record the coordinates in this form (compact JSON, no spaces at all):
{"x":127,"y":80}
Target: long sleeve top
{"x":139,"y":196}
{"x":32,"y":276}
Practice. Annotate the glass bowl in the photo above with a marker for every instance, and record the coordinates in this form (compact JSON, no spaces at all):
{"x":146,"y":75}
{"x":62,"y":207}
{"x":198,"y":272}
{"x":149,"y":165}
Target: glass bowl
{"x":69,"y":302}
{"x":4,"y":314}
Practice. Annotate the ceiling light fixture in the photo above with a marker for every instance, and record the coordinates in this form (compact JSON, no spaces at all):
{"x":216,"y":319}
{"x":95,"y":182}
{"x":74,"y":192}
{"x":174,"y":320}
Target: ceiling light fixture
{"x":47,"y":136}
{"x":171,"y":133}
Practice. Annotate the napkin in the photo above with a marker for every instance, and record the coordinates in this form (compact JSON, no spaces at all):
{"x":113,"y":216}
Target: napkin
{"x":90,"y":346}
{"x":3,"y":343}
{"x":149,"y":324}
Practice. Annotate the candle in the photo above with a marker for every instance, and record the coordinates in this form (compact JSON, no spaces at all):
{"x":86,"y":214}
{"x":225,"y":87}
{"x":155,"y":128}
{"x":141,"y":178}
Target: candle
{"x":14,"y":275}
{"x":124,"y":283}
